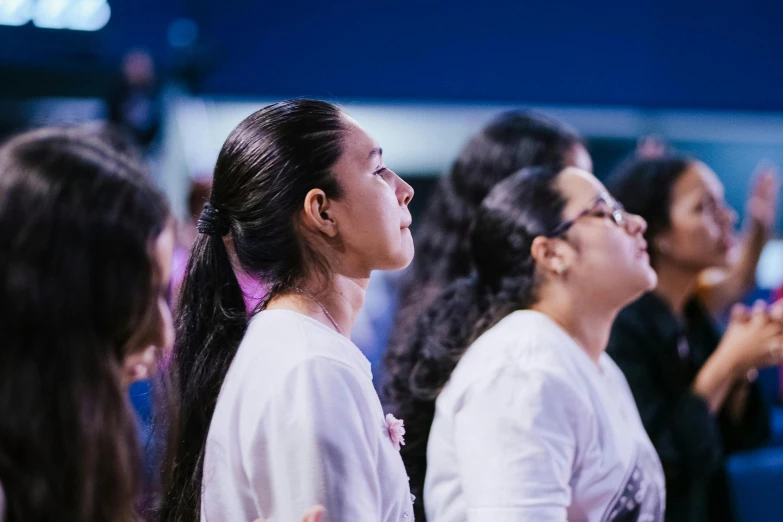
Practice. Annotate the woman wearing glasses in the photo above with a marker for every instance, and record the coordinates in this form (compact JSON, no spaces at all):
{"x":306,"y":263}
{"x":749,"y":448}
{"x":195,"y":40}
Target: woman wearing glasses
{"x":530,"y":420}
{"x":692,"y":387}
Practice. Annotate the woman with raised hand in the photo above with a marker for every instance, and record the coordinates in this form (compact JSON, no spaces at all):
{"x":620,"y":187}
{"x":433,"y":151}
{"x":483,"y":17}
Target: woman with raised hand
{"x":693,"y":385}
{"x":86,"y":246}
{"x":278,"y":408}
{"x":523,"y":415}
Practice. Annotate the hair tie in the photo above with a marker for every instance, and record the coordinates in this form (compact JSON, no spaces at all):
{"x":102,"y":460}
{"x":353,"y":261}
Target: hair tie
{"x":212,"y":222}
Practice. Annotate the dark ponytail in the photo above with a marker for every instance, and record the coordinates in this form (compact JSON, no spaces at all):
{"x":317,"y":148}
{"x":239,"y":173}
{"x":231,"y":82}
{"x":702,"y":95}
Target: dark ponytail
{"x":264,"y":170}
{"x":519,"y":209}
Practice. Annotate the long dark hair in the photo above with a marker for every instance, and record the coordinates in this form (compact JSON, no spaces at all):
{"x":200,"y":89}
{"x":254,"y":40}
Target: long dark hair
{"x":77,"y":285}
{"x":512,"y":141}
{"x":644,"y":187}
{"x":516,"y":211}
{"x":263,"y":173}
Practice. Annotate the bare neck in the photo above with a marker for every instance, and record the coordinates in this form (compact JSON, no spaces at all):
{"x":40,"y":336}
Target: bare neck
{"x":340,"y":302}
{"x":675,"y":285}
{"x":586,"y":322}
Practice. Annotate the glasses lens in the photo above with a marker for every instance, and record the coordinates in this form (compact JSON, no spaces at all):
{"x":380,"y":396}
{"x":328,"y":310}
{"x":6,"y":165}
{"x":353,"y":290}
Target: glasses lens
{"x":619,"y":217}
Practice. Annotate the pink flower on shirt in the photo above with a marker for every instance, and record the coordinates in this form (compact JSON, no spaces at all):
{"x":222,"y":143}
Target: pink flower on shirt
{"x":396,"y":429}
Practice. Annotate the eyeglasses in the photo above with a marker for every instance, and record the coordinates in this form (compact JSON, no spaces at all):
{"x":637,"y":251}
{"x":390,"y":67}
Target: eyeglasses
{"x":603,"y":206}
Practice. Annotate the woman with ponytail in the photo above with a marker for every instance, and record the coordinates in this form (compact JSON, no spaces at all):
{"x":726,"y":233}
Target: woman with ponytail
{"x":514,"y":411}
{"x":278,"y":408}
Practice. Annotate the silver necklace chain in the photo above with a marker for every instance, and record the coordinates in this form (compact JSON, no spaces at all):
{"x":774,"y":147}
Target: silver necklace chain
{"x":319,"y":303}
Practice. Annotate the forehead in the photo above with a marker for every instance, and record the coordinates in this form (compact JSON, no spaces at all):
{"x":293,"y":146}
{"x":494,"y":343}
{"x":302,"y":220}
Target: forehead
{"x":579,"y":188}
{"x":697,"y":180}
{"x":357,"y":142}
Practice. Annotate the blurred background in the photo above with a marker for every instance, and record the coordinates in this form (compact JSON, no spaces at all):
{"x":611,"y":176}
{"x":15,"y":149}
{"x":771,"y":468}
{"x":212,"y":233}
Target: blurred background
{"x":177,"y":75}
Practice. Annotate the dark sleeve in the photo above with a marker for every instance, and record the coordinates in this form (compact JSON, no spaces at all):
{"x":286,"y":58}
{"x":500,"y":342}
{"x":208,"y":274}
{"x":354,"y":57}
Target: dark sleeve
{"x":753,"y":429}
{"x":678,"y":422}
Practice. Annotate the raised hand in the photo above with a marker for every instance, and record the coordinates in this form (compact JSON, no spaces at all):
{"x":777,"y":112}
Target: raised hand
{"x":762,"y":205}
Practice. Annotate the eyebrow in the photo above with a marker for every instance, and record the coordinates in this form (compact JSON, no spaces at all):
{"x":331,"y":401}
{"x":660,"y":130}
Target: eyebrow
{"x":377,"y":150}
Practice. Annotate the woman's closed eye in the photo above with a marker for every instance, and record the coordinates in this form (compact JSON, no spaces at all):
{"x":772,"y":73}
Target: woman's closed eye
{"x":602,"y":211}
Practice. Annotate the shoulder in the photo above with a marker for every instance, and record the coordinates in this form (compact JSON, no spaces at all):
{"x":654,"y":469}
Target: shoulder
{"x":530,"y":341}
{"x":527,"y":355}
{"x":283,"y":339}
{"x":284,"y":359}
{"x":318,"y":397}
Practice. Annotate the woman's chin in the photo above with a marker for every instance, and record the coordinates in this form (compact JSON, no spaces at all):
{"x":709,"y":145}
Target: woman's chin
{"x":399,"y":259}
{"x":652,"y":279}
{"x":405,"y":259}
{"x":645,"y":281}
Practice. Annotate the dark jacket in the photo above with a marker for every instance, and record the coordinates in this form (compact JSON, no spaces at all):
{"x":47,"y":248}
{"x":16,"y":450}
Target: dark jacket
{"x":660,"y":357}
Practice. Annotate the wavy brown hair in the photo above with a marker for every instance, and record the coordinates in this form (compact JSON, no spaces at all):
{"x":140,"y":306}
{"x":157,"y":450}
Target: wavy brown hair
{"x":77,"y":282}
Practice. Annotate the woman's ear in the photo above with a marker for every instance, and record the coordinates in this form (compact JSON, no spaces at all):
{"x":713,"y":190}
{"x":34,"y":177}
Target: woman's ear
{"x":317,"y":216}
{"x":550,"y":255}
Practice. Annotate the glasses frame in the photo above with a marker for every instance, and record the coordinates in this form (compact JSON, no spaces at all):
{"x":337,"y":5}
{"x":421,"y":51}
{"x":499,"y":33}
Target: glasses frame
{"x":618,"y":214}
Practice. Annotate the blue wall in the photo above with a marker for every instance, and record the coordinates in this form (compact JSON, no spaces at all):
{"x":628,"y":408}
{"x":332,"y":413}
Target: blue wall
{"x":717,"y":55}
{"x":642,"y":53}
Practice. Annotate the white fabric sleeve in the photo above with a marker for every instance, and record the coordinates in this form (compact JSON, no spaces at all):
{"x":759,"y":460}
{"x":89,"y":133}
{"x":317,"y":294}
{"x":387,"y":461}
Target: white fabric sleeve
{"x":516,"y":441}
{"x":316,"y":443}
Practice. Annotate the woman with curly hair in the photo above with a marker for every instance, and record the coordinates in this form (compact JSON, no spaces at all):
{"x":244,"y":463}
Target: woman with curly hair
{"x":510,"y":142}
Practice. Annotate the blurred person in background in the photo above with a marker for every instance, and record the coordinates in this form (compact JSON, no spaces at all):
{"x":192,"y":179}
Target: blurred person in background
{"x":692,"y":385}
{"x":135,"y":106}
{"x":84,"y":286}
{"x":721,"y":287}
{"x":198,"y":195}
{"x":278,"y":407}
{"x":505,"y":380}
{"x":510,"y":142}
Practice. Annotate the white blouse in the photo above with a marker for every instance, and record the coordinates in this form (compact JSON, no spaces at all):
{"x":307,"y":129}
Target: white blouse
{"x":530,"y":429}
{"x":298,"y":423}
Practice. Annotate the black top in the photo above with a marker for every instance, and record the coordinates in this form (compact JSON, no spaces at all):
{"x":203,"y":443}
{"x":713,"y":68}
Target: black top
{"x":660,"y":357}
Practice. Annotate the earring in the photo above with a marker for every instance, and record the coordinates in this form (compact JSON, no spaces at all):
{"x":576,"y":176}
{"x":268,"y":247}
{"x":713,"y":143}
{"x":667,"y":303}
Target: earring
{"x":663,"y":246}
{"x":560,"y":269}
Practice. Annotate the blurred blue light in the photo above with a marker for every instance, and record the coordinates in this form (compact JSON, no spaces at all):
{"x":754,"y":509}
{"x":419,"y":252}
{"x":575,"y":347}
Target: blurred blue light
{"x":182,"y":32}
